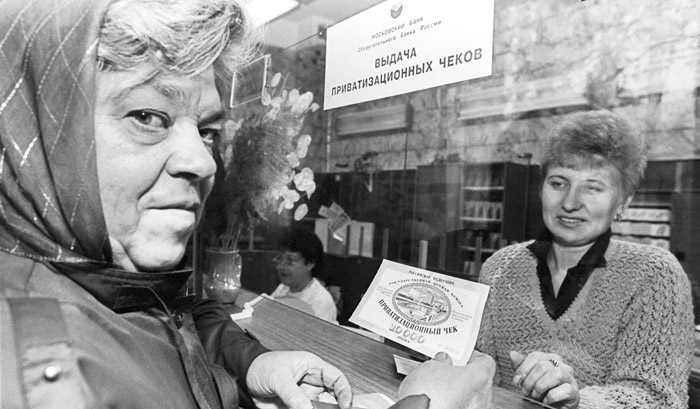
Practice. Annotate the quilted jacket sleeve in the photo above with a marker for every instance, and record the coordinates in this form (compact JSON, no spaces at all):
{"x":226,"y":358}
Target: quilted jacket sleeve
{"x":226,"y":344}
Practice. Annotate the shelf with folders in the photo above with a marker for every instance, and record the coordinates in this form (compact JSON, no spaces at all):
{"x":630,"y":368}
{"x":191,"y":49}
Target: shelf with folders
{"x":494,"y":198}
{"x":458,"y":202}
{"x":482,"y":211}
{"x":493,"y":209}
{"x":649,"y":218}
{"x":478,"y":245}
{"x":646,"y":225}
{"x":481,"y":200}
{"x":482,"y":188}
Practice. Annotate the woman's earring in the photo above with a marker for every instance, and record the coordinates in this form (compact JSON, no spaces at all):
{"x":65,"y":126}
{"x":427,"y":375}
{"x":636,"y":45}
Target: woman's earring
{"x":618,"y":217}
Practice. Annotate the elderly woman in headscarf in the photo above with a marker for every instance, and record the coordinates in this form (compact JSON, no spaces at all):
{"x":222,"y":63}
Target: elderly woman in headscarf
{"x":108,"y":112}
{"x":108,"y":109}
{"x":579,"y":319}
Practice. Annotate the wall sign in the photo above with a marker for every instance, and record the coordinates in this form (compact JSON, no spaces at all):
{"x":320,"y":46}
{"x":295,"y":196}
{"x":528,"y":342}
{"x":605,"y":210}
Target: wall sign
{"x":403,"y":46}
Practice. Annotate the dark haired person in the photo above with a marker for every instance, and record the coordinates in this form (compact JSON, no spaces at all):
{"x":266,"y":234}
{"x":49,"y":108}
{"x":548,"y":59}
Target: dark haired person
{"x":299,"y":266}
{"x":577,"y":318}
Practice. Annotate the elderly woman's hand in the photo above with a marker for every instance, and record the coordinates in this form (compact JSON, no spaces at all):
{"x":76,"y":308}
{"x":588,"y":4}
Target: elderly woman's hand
{"x":453,"y":387}
{"x":545,"y":377}
{"x":280,"y":379}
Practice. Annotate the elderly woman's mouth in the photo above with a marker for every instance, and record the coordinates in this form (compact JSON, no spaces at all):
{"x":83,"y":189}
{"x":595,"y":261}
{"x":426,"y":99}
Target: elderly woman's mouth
{"x":175,"y":216}
{"x":189,"y":205}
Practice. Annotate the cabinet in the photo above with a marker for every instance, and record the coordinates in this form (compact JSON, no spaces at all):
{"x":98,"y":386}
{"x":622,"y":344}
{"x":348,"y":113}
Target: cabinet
{"x":494,"y":209}
{"x":466,"y":211}
{"x":645,"y":224}
{"x":648,"y":219}
{"x":670,"y":195}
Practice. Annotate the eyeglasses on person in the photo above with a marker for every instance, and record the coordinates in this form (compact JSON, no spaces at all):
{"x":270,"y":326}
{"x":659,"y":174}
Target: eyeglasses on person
{"x":288,"y":258}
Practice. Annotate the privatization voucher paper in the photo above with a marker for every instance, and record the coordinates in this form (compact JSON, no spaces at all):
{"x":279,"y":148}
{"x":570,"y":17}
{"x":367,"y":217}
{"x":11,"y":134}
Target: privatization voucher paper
{"x":423,"y":310}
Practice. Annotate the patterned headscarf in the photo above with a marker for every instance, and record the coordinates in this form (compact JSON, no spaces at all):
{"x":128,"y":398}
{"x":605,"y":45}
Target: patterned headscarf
{"x":50,"y":206}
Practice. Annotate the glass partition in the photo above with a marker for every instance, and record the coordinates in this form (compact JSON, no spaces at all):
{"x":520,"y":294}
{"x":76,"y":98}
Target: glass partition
{"x":450,"y":174}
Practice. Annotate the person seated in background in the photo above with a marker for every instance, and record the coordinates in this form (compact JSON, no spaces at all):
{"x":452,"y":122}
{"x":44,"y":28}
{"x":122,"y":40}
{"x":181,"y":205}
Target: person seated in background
{"x":579,"y":319}
{"x":299,"y":265}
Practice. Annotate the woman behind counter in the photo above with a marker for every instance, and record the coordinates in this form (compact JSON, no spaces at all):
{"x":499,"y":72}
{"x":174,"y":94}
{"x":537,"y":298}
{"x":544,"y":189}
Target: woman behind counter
{"x":299,"y":265}
{"x":575,"y":318}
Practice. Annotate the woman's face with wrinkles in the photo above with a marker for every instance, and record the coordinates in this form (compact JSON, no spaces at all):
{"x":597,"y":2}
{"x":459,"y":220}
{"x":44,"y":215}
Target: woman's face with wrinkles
{"x":154,"y":163}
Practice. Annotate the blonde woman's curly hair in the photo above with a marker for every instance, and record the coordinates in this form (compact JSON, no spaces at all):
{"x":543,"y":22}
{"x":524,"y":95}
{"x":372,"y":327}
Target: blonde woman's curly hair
{"x":181,"y":37}
{"x":603,"y":138}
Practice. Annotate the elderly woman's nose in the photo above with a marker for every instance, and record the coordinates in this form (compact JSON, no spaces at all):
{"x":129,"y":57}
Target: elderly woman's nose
{"x":190,"y":154}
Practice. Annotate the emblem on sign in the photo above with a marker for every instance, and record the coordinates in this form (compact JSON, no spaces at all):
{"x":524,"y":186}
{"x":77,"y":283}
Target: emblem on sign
{"x":422,"y":304}
{"x":396,"y":10}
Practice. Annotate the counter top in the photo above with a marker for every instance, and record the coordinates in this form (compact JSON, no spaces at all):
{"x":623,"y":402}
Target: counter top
{"x":368,"y":364}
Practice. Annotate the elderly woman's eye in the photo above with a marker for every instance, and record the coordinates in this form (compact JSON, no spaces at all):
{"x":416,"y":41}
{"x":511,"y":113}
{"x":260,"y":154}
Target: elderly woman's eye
{"x":208,"y":135}
{"x":150,"y":119}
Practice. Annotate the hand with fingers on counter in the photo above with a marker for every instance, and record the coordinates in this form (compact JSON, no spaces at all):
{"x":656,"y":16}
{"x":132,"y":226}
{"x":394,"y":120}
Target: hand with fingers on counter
{"x":545,"y":377}
{"x":280,"y":379}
